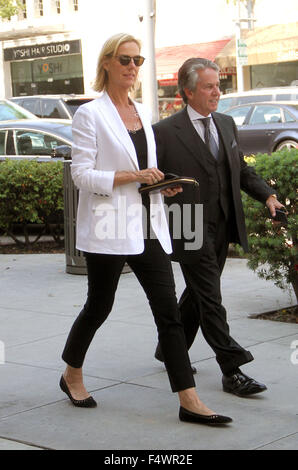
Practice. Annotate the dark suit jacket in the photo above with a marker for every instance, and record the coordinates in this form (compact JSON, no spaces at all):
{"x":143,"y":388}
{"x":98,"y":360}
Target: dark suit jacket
{"x":181,"y":151}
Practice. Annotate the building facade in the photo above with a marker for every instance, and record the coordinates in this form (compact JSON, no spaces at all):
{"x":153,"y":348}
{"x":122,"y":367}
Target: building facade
{"x":271,"y":56}
{"x":40,"y":51}
{"x":51,"y":47}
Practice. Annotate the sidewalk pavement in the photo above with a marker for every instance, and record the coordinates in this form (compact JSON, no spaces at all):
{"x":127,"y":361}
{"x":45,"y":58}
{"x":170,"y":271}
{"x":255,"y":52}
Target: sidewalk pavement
{"x":137,"y":410}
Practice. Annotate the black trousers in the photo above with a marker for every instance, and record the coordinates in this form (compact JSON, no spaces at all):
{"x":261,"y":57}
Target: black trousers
{"x":154,"y":272}
{"x":201,"y":303}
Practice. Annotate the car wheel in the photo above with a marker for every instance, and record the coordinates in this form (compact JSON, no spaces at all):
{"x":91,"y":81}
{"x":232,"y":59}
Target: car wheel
{"x":289,"y":144}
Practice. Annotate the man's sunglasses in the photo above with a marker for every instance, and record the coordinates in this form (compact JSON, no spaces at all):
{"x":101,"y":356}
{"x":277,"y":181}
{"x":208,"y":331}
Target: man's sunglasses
{"x":126,"y":59}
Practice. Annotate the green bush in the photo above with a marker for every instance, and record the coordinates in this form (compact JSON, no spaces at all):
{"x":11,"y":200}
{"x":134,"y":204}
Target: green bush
{"x":31,"y":192}
{"x":273,"y":249}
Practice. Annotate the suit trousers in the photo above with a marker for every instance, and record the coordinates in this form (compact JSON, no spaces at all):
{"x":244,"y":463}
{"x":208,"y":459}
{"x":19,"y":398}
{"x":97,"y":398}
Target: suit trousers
{"x":201,"y":302}
{"x":154,"y":272}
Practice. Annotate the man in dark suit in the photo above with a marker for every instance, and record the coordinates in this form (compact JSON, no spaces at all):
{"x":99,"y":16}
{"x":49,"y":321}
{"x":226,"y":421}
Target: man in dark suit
{"x":188,"y":144}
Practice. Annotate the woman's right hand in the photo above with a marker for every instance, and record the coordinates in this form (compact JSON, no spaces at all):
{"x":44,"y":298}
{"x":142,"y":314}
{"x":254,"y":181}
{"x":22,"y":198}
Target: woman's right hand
{"x":149,"y":176}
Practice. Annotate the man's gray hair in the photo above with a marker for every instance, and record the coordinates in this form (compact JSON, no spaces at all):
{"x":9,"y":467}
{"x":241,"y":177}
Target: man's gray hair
{"x":188,"y":76}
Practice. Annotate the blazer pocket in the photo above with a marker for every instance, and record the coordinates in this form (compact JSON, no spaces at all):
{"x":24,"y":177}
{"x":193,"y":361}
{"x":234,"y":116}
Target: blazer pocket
{"x":102,"y":203}
{"x":234,"y":144}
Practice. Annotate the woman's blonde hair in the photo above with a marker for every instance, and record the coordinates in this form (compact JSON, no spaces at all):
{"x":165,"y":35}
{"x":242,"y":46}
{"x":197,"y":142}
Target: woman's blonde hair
{"x":110,"y":49}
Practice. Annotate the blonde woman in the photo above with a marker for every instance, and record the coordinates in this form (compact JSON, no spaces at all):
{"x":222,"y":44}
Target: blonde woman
{"x":113,"y":153}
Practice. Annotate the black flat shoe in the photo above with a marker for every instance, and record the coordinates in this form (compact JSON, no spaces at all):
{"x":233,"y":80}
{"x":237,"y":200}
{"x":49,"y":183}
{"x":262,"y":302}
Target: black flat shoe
{"x":86,"y":403}
{"x":241,"y":385}
{"x":158,"y":355}
{"x":190,"y":417}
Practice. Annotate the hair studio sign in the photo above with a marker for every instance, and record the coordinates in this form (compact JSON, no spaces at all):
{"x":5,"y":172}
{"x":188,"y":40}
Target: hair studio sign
{"x":42,"y":50}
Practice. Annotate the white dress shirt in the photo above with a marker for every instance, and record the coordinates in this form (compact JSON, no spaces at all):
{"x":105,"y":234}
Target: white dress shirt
{"x":195,"y":117}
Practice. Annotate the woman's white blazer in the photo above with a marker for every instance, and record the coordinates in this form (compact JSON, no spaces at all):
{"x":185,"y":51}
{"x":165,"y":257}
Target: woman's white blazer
{"x":109,"y":220}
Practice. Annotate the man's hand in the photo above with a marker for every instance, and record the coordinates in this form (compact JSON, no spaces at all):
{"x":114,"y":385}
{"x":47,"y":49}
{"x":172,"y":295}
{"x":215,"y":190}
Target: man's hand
{"x":170,"y":192}
{"x":272,"y":203}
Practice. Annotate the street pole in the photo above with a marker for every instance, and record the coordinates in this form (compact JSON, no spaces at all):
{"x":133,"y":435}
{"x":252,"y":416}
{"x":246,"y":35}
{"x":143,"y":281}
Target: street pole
{"x":149,"y":82}
{"x":239,"y":67}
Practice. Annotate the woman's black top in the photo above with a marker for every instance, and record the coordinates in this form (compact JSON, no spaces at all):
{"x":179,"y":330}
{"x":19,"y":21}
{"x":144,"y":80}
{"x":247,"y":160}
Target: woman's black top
{"x":140,"y":142}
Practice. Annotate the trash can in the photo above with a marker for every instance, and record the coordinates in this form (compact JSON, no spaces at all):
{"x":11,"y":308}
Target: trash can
{"x":75,"y":260}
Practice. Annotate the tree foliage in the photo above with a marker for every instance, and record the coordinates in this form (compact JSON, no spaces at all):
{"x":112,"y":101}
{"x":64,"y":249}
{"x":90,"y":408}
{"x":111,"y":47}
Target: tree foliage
{"x":273,"y":249}
{"x":9,"y":8}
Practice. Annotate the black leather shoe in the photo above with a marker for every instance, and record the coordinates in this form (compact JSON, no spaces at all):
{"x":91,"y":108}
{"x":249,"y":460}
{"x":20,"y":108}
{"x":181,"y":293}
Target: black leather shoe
{"x":190,"y":417}
{"x":158,"y":355}
{"x":241,"y":385}
{"x":86,"y":403}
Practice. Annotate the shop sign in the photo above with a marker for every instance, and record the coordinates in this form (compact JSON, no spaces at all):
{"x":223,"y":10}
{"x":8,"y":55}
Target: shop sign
{"x":242,"y":52}
{"x":42,"y":50}
{"x":50,"y":68}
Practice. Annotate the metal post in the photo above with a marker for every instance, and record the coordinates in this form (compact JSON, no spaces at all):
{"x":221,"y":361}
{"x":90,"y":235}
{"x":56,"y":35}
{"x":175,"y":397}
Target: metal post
{"x":239,"y":68}
{"x":149,"y":81}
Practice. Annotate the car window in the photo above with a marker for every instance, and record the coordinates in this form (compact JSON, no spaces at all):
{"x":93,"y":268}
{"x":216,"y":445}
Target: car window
{"x":266,"y":115}
{"x":2,"y":142}
{"x":288,"y":116}
{"x":18,"y":101}
{"x":239,"y":114}
{"x":73,"y":105}
{"x":9,"y":112}
{"x":49,"y":109}
{"x":36,"y":143}
{"x":32,"y":105}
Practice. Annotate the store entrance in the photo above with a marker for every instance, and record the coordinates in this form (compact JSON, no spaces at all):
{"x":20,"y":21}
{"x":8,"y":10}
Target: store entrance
{"x":51,"y":76}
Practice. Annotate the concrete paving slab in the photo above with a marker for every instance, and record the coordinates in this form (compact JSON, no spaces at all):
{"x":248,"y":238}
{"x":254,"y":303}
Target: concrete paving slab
{"x":286,"y":443}
{"x":137,"y":410}
{"x":10,"y":445}
{"x":253,"y":331}
{"x":41,"y":290}
{"x":24,"y":388}
{"x":130,"y":417}
{"x":19,"y":327}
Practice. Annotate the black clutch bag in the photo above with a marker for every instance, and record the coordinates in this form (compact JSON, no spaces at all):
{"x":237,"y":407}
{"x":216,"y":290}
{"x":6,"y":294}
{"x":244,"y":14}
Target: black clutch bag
{"x":170,"y":181}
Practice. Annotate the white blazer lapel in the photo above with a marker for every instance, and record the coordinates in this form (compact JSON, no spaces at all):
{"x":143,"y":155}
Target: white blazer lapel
{"x":112,"y":118}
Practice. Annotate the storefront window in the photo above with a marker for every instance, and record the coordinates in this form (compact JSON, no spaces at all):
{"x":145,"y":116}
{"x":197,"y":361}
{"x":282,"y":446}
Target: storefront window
{"x":169,"y":100}
{"x":269,"y":75}
{"x":53,"y":75}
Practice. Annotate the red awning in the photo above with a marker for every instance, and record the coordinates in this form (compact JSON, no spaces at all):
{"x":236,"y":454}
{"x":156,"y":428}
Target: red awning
{"x":170,"y":59}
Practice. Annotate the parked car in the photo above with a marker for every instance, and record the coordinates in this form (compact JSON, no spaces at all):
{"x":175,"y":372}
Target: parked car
{"x":9,"y":110}
{"x":266,"y":127}
{"x":39,"y":137}
{"x":52,"y":106}
{"x":258,"y":95}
